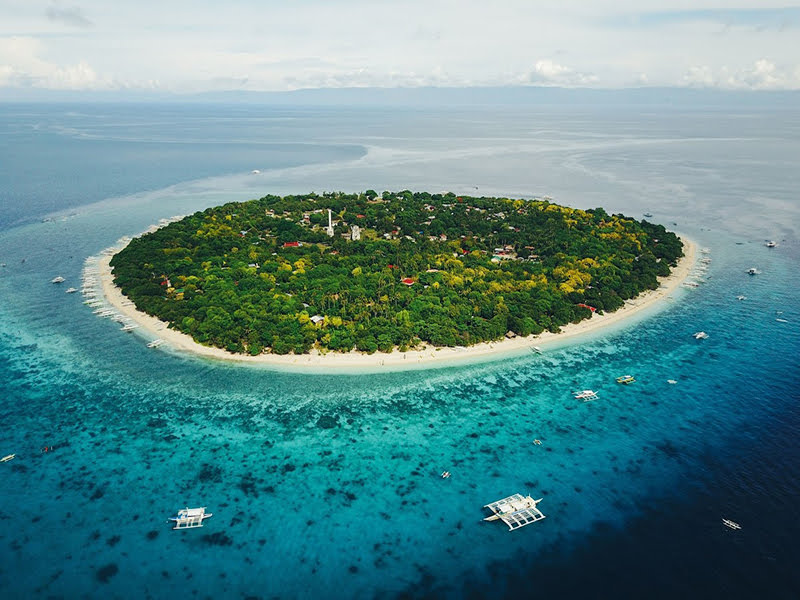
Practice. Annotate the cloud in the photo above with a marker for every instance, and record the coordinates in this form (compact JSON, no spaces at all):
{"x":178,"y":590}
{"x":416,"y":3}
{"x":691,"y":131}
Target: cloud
{"x":762,"y":75}
{"x":547,"y":72}
{"x":21,"y":65}
{"x":69,"y":15}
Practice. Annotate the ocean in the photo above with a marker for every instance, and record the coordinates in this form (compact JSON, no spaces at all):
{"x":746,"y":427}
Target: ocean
{"x":328,"y":485}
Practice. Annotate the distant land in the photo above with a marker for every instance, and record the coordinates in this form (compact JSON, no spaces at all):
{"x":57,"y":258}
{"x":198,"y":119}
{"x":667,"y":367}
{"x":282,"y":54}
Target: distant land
{"x":433,"y":96}
{"x":390,"y":271}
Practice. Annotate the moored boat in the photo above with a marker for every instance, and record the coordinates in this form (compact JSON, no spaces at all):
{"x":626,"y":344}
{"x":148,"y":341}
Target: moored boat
{"x":189,"y":518}
{"x":625,"y":379}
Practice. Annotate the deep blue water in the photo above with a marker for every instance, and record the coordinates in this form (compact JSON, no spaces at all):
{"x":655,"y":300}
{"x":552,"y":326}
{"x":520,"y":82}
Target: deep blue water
{"x":328,"y":486}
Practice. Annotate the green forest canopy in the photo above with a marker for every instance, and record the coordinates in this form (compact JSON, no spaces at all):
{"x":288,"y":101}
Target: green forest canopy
{"x":401,"y":270}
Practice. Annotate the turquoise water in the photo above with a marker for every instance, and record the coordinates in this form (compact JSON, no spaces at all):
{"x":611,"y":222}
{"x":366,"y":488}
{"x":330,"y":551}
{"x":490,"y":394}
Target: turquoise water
{"x":328,"y":486}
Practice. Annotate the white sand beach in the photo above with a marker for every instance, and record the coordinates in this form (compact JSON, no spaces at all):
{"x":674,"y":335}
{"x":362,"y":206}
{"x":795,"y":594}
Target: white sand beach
{"x":396,"y":360}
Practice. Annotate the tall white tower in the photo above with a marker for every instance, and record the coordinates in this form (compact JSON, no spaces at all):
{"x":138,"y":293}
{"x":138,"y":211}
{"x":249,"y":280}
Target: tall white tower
{"x":329,"y":230}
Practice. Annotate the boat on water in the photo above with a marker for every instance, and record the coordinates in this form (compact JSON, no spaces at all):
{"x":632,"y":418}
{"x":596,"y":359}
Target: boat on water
{"x":515,"y":511}
{"x":770,"y":244}
{"x":731,"y":524}
{"x":585,"y":395}
{"x":701,"y":335}
{"x":741,"y":297}
{"x":8,"y":457}
{"x":72,"y":290}
{"x":536,"y":350}
{"x":625,"y":379}
{"x":58,"y":279}
{"x":155,"y":343}
{"x":753,"y":271}
{"x":129,"y":327}
{"x":671,"y":381}
{"x":189,"y":518}
{"x":445,"y":474}
{"x":648,"y":215}
{"x":779,"y":320}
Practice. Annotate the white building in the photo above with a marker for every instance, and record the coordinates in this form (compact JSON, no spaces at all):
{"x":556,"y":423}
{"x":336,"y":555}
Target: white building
{"x":329,"y":229}
{"x":355,"y":233}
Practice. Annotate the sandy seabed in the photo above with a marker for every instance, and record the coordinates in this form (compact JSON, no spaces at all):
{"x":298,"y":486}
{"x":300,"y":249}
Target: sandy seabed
{"x":396,"y":360}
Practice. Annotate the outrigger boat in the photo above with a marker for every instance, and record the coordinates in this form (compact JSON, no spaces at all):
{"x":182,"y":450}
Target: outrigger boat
{"x":58,"y":279}
{"x":189,"y":518}
{"x":625,"y":379}
{"x":700,"y":335}
{"x":515,"y":511}
{"x":586,"y":395}
{"x":8,"y":457}
{"x":155,"y":343}
{"x":731,"y":524}
{"x":753,"y":271}
{"x":770,"y":244}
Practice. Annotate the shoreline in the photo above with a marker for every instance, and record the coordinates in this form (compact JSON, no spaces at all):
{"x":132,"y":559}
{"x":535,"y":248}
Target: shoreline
{"x":395,"y":360}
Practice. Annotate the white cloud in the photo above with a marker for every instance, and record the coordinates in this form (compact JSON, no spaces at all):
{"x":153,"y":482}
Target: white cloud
{"x":761,"y":75}
{"x":21,"y":65}
{"x":547,"y":72}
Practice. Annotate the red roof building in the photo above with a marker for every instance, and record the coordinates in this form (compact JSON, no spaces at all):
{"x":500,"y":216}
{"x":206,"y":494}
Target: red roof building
{"x":291,"y":244}
{"x":407,"y":281}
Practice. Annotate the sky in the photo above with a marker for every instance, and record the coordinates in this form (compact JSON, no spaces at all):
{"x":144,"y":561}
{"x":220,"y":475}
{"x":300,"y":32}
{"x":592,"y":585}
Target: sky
{"x":188,"y":46}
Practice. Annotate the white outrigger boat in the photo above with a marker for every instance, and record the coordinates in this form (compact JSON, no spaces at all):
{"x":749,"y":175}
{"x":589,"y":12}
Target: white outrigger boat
{"x":731,"y":524}
{"x":189,"y":518}
{"x":770,"y":244}
{"x":585,"y":395}
{"x":515,"y":511}
{"x":155,"y":343}
{"x":8,"y":457}
{"x":700,"y":335}
{"x":753,"y":271}
{"x":58,"y":279}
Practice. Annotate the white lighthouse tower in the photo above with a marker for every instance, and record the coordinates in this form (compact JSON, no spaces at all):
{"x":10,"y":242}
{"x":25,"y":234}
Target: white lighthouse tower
{"x":329,"y":230}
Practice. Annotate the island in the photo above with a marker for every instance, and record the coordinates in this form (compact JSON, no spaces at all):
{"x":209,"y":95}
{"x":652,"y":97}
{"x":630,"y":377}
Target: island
{"x":392,"y":272}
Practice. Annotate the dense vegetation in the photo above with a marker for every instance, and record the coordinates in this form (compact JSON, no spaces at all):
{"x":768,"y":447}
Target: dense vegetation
{"x":266,"y":276}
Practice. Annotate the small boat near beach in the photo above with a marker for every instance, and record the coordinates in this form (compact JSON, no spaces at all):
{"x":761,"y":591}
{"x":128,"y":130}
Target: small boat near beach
{"x":71,"y":290}
{"x":753,"y":271}
{"x":626,"y":379}
{"x":189,"y":518}
{"x":770,"y":244}
{"x":731,"y":524}
{"x":58,"y":279}
{"x":701,"y":335}
{"x":129,"y":327}
{"x":8,"y":457}
{"x":155,"y":343}
{"x":586,"y":395}
{"x":648,"y":215}
{"x":515,"y":511}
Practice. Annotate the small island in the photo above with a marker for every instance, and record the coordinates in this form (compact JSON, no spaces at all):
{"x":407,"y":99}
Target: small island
{"x":397,"y":271}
